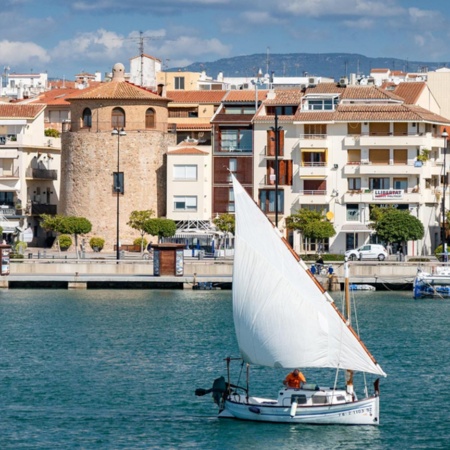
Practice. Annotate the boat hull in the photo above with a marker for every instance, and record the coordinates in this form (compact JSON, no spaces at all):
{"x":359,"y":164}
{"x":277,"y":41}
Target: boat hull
{"x":361,"y":412}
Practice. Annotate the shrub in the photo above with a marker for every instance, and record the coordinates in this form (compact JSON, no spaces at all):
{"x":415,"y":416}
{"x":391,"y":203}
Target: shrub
{"x":138,"y":242}
{"x":65,"y":241}
{"x":325,"y":256}
{"x":51,"y":132}
{"x":97,"y":243}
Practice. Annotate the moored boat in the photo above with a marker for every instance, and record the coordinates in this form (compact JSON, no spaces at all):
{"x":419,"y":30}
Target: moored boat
{"x":432,"y":284}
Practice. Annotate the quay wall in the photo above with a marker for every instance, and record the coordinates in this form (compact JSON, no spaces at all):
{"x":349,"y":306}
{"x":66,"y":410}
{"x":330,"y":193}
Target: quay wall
{"x":358,"y":270}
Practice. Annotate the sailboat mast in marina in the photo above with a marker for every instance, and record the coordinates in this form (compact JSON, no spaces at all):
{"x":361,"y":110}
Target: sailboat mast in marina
{"x":284,"y":319}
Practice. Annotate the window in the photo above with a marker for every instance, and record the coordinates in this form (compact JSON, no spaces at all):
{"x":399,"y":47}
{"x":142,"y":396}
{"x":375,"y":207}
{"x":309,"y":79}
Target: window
{"x":267,"y":200}
{"x":185,"y":203}
{"x":232,"y":167}
{"x":401,"y":183}
{"x":186,"y":172}
{"x":354,"y":156}
{"x":326,"y":104}
{"x":179,"y":83}
{"x":354,"y":184}
{"x":317,"y":130}
{"x":87,"y":118}
{"x":6,"y":198}
{"x":353,"y":212}
{"x":239,"y":140}
{"x":240,"y":109}
{"x":354,"y":128}
{"x":379,"y":183}
{"x":285,"y":110}
{"x":230,"y":201}
{"x":379,"y":156}
{"x":400,"y":156}
{"x":314,"y":158}
{"x":150,"y":118}
{"x":118,"y":118}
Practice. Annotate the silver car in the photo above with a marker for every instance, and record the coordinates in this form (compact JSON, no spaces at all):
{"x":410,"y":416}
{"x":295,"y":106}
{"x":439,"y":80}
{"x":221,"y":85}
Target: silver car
{"x":368,"y":251}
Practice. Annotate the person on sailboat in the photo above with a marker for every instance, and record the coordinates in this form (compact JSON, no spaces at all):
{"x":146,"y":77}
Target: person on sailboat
{"x":294,"y":379}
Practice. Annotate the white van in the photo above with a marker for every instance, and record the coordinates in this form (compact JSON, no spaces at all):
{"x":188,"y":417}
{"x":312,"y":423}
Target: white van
{"x":368,"y":251}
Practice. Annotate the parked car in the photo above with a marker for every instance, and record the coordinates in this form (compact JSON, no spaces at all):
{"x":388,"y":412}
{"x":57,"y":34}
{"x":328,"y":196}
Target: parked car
{"x":368,"y":251}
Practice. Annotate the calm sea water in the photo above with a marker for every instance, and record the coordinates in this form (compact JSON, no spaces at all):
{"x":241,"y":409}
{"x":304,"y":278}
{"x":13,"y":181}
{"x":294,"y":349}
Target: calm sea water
{"x":118,"y":369}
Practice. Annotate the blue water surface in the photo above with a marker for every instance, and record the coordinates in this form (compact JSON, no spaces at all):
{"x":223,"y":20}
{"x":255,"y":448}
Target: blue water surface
{"x":118,"y":369}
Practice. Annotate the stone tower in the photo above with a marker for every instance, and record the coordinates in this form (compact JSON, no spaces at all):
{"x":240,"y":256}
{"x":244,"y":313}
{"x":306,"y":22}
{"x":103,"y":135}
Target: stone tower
{"x":92,"y":153}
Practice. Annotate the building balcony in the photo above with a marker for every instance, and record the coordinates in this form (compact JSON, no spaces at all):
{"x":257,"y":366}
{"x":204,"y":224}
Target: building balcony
{"x":392,"y":140}
{"x":410,"y":195}
{"x":311,"y":141}
{"x":41,"y":174}
{"x":313,"y":170}
{"x":366,"y":167}
{"x":41,"y":208}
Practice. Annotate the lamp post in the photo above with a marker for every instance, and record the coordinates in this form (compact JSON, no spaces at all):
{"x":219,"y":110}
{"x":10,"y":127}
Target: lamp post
{"x":444,"y":188}
{"x":277,"y":130}
{"x":118,"y":183}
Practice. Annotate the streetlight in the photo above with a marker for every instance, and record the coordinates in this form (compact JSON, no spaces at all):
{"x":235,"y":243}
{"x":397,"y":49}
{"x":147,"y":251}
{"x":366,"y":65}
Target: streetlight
{"x":277,"y":130}
{"x":444,"y":187}
{"x":118,"y":183}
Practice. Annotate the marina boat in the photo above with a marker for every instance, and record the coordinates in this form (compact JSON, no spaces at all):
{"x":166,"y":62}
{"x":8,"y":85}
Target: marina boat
{"x":284,"y":319}
{"x":435,"y":284}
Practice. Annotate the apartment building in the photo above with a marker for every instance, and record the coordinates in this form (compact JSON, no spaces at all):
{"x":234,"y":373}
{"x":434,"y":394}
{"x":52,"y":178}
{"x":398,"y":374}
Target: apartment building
{"x":345,"y":149}
{"x":29,"y":172}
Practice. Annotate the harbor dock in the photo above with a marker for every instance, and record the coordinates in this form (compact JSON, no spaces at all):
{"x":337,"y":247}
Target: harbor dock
{"x":134,"y":273}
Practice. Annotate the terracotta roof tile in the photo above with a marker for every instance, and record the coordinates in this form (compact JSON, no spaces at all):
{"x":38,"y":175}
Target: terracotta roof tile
{"x":57,"y":96}
{"x":196,"y":96}
{"x":245,"y":96}
{"x":285,"y":97}
{"x":410,"y":91}
{"x":379,"y":70}
{"x":187,"y":149}
{"x":193,"y":126}
{"x":118,"y":90}
{"x":233,"y":118}
{"x":372,"y":113}
{"x":325,"y":88}
{"x":22,"y":111}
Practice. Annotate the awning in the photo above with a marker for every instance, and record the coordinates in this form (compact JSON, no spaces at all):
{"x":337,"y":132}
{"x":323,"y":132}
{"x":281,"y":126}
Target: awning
{"x":9,"y":226}
{"x":356,"y":228}
{"x":313,"y":150}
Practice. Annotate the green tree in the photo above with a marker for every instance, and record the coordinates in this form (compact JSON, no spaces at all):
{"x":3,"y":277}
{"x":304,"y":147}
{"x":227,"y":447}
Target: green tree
{"x":225,"y":222}
{"x":396,"y":225}
{"x":160,"y":227}
{"x":312,"y":224}
{"x":66,"y":225}
{"x":137,"y":220}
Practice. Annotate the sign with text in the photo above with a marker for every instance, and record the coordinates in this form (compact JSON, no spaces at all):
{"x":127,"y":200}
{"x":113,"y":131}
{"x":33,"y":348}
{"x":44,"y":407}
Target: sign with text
{"x":386,"y":194}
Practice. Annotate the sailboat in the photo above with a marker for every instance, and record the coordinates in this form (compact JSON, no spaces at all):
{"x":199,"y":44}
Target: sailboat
{"x":284,"y":319}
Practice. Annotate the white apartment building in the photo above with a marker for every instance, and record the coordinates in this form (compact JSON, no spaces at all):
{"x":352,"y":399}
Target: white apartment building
{"x":29,"y":171}
{"x":344,"y":149}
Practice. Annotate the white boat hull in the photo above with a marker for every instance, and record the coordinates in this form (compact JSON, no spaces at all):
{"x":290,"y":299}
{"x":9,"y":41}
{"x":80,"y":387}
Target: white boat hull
{"x":361,"y":412}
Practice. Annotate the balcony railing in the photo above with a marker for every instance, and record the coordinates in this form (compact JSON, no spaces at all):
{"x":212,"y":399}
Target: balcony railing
{"x":313,"y":192}
{"x":40,"y":208}
{"x":43,"y":174}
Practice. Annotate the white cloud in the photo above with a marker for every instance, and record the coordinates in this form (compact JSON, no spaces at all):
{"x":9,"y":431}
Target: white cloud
{"x":349,"y":8}
{"x":21,"y":53}
{"x":189,"y":47}
{"x":360,"y":24}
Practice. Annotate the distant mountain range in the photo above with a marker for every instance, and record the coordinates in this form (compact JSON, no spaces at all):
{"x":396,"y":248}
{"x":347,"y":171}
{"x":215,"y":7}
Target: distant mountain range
{"x":333,"y":65}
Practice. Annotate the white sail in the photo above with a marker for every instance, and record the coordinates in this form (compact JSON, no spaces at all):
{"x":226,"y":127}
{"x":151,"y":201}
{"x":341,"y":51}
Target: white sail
{"x":282,"y":319}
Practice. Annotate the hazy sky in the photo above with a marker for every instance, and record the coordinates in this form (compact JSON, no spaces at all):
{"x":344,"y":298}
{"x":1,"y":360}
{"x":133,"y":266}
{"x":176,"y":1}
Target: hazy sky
{"x":65,"y":37}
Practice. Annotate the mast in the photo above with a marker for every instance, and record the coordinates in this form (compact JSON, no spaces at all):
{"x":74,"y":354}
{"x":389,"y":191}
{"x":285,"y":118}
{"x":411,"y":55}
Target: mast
{"x":348,"y":316}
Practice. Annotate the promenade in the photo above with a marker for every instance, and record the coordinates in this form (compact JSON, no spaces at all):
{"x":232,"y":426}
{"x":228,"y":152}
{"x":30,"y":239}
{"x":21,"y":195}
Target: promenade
{"x":101,"y":270}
